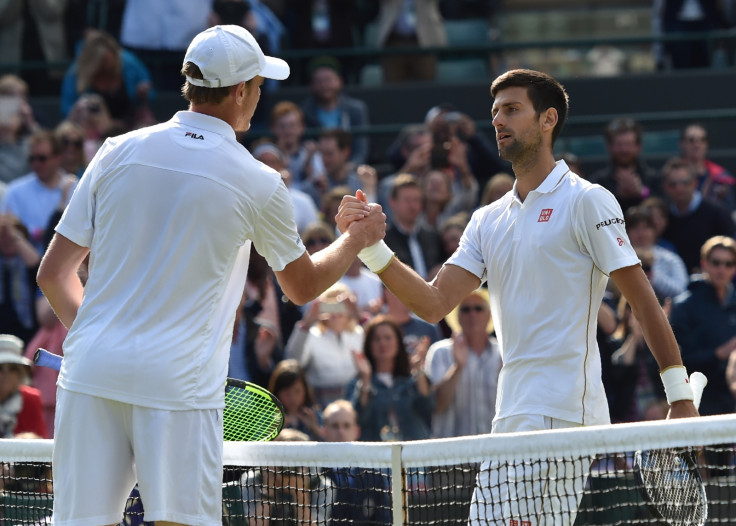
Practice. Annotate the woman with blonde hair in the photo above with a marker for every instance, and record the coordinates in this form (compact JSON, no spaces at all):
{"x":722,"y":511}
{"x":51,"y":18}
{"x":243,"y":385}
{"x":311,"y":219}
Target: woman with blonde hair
{"x":103,"y":67}
{"x":323,"y":340}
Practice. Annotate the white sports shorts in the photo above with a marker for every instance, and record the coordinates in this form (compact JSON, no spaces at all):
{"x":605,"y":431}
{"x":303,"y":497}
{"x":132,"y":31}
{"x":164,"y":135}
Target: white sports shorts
{"x":539,"y":493}
{"x":102,"y":447}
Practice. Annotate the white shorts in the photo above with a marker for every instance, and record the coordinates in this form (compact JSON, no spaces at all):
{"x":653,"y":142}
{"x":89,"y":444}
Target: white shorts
{"x":101,"y":447}
{"x":539,"y":493}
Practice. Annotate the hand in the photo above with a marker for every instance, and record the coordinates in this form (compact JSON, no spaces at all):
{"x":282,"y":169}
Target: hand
{"x":459,"y":350}
{"x":311,"y":315}
{"x":308,"y":417}
{"x":416,"y":360}
{"x":365,"y":371}
{"x":372,"y":228}
{"x":368,"y":178}
{"x":351,"y":209}
{"x":419,"y":159}
{"x":682,"y":409}
{"x":465,"y":127}
{"x":264,"y":345}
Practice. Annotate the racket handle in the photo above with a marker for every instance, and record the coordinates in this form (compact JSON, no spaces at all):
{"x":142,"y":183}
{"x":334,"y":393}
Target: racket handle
{"x":44,"y":358}
{"x":698,"y":381}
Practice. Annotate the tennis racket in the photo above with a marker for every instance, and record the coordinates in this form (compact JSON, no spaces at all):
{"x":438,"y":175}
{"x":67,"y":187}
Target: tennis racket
{"x":252,"y":413}
{"x":669,"y":479}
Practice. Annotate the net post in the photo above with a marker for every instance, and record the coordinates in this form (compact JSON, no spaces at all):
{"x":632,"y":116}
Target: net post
{"x":398,"y":486}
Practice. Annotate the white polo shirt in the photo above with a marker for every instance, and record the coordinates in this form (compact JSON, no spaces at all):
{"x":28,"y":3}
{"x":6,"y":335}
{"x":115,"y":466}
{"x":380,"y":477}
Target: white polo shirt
{"x":168,"y":212}
{"x":547,"y":262}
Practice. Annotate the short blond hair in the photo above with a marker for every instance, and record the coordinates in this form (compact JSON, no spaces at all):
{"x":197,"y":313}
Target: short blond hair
{"x":723,"y":242}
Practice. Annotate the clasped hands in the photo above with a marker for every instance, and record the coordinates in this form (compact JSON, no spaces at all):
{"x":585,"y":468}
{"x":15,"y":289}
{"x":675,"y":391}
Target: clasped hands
{"x":360,"y":218}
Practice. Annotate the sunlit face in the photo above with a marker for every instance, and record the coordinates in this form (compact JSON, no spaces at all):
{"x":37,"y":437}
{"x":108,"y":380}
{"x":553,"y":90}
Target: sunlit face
{"x":384,"y":344}
{"x":289,"y":127}
{"x":517,"y":125}
{"x":407,"y":205}
{"x":694,"y":143}
{"x":293,"y":397}
{"x":248,"y":107}
{"x":641,"y":235}
{"x":341,"y":426}
{"x":720,"y":267}
{"x":44,"y":162}
{"x":333,"y":157}
{"x":679,"y":184}
{"x":436,"y":187}
{"x":474,"y":315}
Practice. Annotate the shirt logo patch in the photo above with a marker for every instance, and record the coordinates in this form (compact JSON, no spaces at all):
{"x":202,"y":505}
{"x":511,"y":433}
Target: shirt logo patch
{"x":193,"y":135}
{"x":544,"y":215}
{"x":516,"y":522}
{"x":620,"y":241}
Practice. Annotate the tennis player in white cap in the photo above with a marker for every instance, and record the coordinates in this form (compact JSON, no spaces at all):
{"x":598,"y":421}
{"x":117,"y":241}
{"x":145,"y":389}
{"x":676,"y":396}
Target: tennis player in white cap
{"x":167,"y":215}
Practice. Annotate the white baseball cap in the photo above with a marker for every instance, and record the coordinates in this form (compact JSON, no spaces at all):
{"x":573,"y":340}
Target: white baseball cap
{"x":228,"y":55}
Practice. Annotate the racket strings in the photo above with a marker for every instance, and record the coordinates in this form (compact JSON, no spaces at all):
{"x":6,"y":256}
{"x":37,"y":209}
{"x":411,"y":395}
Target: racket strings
{"x":250,"y":415}
{"x":674,"y":486}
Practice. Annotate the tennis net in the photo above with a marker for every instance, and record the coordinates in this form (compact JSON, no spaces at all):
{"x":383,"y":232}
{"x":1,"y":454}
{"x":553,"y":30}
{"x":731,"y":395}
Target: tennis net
{"x":562,"y":477}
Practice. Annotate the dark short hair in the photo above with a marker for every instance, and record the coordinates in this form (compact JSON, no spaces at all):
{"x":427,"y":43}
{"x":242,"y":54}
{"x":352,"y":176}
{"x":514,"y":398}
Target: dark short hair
{"x":201,"y":94}
{"x":324,"y":62}
{"x":623,"y":125}
{"x":342,"y":137}
{"x":637,"y":215}
{"x":543,"y":91}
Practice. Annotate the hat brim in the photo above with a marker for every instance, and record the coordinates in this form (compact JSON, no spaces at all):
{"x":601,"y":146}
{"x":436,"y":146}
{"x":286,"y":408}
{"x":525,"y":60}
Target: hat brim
{"x":276,"y":69}
{"x":11,"y":357}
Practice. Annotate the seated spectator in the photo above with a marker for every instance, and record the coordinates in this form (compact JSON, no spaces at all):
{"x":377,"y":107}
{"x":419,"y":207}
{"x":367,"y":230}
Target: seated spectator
{"x":114,"y":73}
{"x":33,"y":198}
{"x":714,"y":181}
{"x":438,"y":196}
{"x":333,"y":148}
{"x":362,"y":495}
{"x":318,"y":236}
{"x":668,"y":276}
{"x":16,"y":125}
{"x":404,"y":25}
{"x":71,"y":137}
{"x":626,"y":175}
{"x":415,"y":245}
{"x":20,"y":404}
{"x":287,"y":127}
{"x":366,"y":287}
{"x":323,"y":340}
{"x":464,"y":370}
{"x":693,"y":220}
{"x":659,"y":211}
{"x":328,"y":107}
{"x":289,"y":384}
{"x":417,"y":332}
{"x":91,"y":114}
{"x":286,"y":495}
{"x":496,"y":187}
{"x":391,"y":394}
{"x":19,"y":261}
{"x":451,"y":230}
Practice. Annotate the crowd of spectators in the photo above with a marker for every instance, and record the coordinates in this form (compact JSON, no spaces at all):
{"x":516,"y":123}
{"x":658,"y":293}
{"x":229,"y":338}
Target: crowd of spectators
{"x":405,"y":378}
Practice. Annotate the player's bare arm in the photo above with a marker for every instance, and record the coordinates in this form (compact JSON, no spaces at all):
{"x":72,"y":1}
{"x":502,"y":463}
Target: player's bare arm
{"x":307,"y":277}
{"x":57,"y":277}
{"x":634,"y":285}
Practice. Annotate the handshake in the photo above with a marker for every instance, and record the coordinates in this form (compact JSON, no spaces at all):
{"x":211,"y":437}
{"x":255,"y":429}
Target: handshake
{"x":367,"y":222}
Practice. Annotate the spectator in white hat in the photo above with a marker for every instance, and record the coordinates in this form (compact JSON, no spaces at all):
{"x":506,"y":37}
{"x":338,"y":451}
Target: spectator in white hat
{"x":20,"y":404}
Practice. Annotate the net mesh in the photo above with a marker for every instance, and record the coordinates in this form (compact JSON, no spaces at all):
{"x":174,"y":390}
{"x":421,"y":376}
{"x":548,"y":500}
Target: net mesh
{"x":566,"y":477}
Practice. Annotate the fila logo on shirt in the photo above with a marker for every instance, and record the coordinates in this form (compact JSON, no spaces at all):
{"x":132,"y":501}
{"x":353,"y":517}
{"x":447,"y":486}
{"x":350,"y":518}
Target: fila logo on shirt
{"x":544,"y":215}
{"x":193,"y":135}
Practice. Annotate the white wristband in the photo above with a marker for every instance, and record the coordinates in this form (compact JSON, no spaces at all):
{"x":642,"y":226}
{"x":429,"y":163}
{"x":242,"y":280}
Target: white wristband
{"x":676,"y":384}
{"x":376,"y":257}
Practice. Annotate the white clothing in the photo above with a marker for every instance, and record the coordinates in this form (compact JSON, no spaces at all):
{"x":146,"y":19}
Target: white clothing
{"x":305,"y":211}
{"x":325,"y":356}
{"x":169,"y":25}
{"x":547,"y":261}
{"x":669,"y":274}
{"x":168,"y":212}
{"x":367,"y":287}
{"x":473,"y":407}
{"x":95,"y":434}
{"x":539,"y":493}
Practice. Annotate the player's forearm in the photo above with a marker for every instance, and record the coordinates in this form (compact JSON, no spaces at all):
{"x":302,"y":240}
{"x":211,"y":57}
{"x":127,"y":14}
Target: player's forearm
{"x":413,"y":291}
{"x":64,"y":294}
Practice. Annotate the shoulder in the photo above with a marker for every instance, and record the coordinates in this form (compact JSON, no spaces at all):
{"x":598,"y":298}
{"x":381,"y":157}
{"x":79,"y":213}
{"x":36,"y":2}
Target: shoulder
{"x":21,"y":182}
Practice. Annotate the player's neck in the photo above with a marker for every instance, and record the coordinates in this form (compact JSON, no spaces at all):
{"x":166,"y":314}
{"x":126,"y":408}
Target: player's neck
{"x":529,"y":175}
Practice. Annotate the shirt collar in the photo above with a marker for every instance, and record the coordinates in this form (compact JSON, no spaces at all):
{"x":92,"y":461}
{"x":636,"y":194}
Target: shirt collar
{"x":204,"y":122}
{"x":555,"y":177}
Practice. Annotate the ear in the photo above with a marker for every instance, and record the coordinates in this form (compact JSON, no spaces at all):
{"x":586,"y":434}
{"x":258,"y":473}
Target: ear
{"x":549,"y":119}
{"x":241,"y":93}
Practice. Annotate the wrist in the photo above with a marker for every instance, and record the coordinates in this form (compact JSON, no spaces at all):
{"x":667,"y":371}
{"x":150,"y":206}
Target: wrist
{"x":676,"y":384}
{"x":377,"y":257}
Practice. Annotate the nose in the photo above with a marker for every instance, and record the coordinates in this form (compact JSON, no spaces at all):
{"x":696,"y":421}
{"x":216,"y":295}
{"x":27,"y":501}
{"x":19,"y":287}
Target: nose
{"x":497,"y":120}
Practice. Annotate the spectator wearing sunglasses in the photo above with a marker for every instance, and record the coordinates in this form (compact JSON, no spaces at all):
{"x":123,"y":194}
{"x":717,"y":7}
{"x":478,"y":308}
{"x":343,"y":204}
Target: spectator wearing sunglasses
{"x":693,"y":220}
{"x":34,"y":197}
{"x":464,"y":370}
{"x":71,"y":137}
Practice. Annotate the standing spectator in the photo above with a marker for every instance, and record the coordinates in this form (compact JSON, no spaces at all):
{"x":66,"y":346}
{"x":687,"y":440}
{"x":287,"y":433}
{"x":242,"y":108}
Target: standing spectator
{"x":114,"y":73}
{"x":361,"y":494}
{"x":35,"y":196}
{"x":714,"y":181}
{"x":391,"y":393}
{"x":704,"y":321}
{"x":688,"y":16}
{"x":668,"y":276}
{"x":417,"y":246}
{"x":626,"y":176}
{"x":464,"y":371}
{"x":323,"y":340}
{"x":19,"y":261}
{"x":289,"y":384}
{"x":20,"y":404}
{"x":406,"y":24}
{"x":693,"y":220}
{"x":328,"y":106}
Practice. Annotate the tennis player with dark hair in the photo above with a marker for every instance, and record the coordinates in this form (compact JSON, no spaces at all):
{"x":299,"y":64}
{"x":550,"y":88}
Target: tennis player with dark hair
{"x":167,"y":215}
{"x":546,"y":250}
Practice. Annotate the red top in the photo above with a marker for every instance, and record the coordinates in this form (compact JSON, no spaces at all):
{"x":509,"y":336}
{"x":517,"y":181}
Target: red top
{"x":31,"y":417}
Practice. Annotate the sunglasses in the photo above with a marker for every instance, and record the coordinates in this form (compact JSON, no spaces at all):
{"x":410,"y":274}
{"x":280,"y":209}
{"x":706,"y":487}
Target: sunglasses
{"x":696,"y":139}
{"x":679,"y":182}
{"x":9,"y":367}
{"x":77,"y":143}
{"x":468,"y":308}
{"x":38,"y":158}
{"x":722,"y":263}
{"x":317,"y":241}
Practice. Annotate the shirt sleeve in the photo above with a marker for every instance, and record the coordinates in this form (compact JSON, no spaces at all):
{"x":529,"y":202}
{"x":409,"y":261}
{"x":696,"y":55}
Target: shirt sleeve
{"x":599,"y":226}
{"x":275,"y":236}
